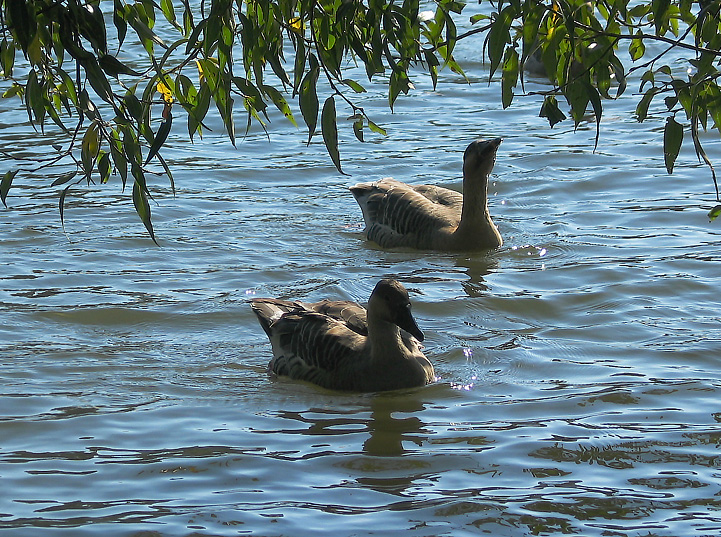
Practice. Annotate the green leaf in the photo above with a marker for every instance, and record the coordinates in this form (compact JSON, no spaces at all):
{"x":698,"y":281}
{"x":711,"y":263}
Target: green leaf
{"x":309,"y":98}
{"x":119,"y":20}
{"x":643,"y":104}
{"x":23,"y":22}
{"x":64,"y":178}
{"x":116,"y":152}
{"x":377,"y":129}
{"x":577,"y":98}
{"x":142,"y":207}
{"x":104,"y":168}
{"x":352,"y":84}
{"x":146,"y":35}
{"x":509,"y":77}
{"x":162,"y":133}
{"x":636,"y":48}
{"x":714,"y":213}
{"x":97,"y":78}
{"x":595,"y":99}
{"x":113,"y":67}
{"x":89,"y":149}
{"x":660,"y":18}
{"x":133,"y":106}
{"x":5,"y":183}
{"x":167,"y":8}
{"x":672,"y":139}
{"x":61,"y":205}
{"x":479,"y":17}
{"x":550,"y":111}
{"x":168,"y":172}
{"x":498,"y":36}
{"x":280,"y":103}
{"x":358,"y":128}
{"x":7,"y":58}
{"x":330,"y":131}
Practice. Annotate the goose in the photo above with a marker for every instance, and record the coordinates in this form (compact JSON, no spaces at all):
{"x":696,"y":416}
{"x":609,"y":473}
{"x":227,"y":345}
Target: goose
{"x":339,"y":345}
{"x":428,"y":217}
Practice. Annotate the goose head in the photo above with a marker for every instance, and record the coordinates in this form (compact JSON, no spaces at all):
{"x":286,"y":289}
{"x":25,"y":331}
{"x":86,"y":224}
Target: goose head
{"x":389,"y":302}
{"x":479,"y":158}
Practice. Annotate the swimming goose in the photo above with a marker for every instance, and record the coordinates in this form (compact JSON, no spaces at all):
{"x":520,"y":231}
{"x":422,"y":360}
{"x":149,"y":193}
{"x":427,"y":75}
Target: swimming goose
{"x":429,"y":217}
{"x":341,"y":346}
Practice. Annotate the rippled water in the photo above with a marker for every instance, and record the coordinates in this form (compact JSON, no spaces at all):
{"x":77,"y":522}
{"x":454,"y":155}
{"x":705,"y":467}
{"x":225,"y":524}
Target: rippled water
{"x":579,"y":364}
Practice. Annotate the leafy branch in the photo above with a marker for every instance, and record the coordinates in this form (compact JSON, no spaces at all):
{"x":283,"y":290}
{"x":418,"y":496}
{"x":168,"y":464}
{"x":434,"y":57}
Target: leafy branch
{"x":118,"y":117}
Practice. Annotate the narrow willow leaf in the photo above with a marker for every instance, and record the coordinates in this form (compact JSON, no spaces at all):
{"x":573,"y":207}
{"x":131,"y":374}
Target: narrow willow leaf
{"x":280,"y":103}
{"x":133,"y":106}
{"x":104,"y":167}
{"x":660,"y":18}
{"x":168,"y":173}
{"x":330,"y":131}
{"x":91,"y":24}
{"x":167,"y":7}
{"x":498,"y":36}
{"x":5,"y":184}
{"x":358,"y":128}
{"x":68,"y":87}
{"x":352,"y":84}
{"x":672,"y":139}
{"x":714,"y":213}
{"x":162,"y":133}
{"x":146,"y":35}
{"x":377,"y":129}
{"x":97,"y":78}
{"x":53,"y":113}
{"x":89,"y":149}
{"x":648,"y":76}
{"x":22,"y":21}
{"x":142,"y":207}
{"x":298,"y":67}
{"x":193,"y":39}
{"x":119,"y":20}
{"x":509,"y":77}
{"x":35,"y":99}
{"x":595,"y":99}
{"x":113,"y":67}
{"x":119,"y":160}
{"x":61,"y":205}
{"x":64,"y":178}
{"x":309,"y":99}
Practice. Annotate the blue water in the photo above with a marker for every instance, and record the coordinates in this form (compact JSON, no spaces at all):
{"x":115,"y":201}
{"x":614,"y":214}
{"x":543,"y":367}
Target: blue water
{"x":579,"y":372}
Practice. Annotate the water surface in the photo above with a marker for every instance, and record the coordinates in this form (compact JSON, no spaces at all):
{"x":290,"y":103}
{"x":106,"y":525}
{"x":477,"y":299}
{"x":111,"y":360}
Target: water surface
{"x":578,"y":365}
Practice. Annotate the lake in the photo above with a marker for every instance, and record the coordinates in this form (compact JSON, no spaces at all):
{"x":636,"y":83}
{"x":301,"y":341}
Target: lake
{"x":579,"y":365}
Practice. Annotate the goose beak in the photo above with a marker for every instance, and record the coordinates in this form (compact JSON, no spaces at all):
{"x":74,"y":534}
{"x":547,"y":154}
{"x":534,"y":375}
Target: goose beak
{"x":408,"y":323}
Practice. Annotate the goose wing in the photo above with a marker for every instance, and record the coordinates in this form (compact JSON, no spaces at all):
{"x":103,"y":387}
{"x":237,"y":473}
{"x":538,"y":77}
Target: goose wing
{"x":442,"y":196}
{"x":269,"y":310}
{"x":309,"y":345}
{"x":352,"y":314}
{"x":397,"y":214}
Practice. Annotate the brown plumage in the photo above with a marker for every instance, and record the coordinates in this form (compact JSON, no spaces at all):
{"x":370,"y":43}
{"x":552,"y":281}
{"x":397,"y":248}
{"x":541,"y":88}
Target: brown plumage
{"x":429,"y":217}
{"x":340,"y":345}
